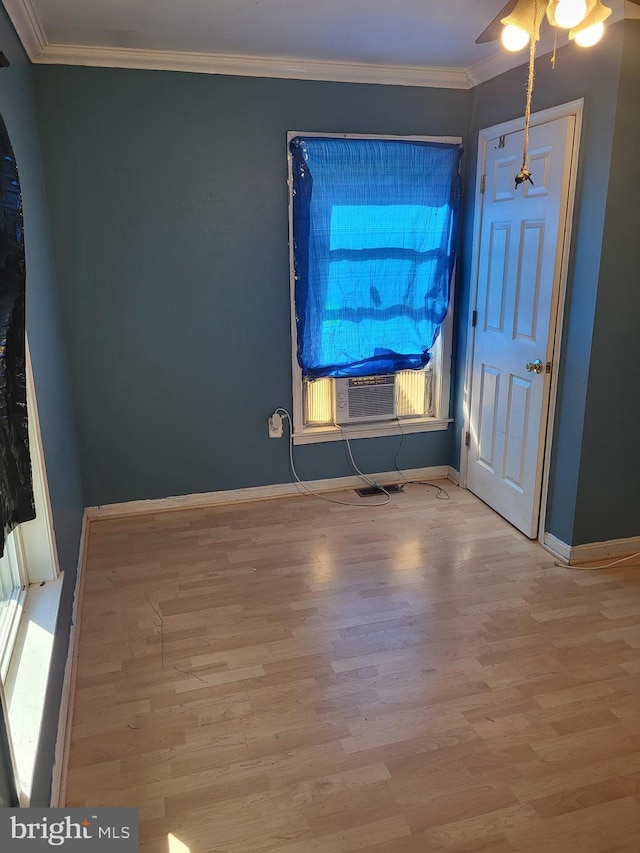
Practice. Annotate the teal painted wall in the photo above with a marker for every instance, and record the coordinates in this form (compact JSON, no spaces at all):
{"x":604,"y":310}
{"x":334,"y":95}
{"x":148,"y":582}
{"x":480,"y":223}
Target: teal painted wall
{"x":49,"y":368}
{"x":593,"y":75}
{"x":608,"y":499}
{"x":168,"y":200}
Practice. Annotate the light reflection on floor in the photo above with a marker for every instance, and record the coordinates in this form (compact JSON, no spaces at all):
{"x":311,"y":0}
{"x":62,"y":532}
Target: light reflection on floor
{"x":324,"y":569}
{"x":410,"y":559}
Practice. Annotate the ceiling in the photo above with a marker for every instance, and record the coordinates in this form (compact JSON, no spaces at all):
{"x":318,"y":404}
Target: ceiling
{"x":409,"y":42}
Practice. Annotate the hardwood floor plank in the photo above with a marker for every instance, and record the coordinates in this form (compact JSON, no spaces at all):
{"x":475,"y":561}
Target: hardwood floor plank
{"x":602,"y":826}
{"x":586,"y":796}
{"x":294,"y":677}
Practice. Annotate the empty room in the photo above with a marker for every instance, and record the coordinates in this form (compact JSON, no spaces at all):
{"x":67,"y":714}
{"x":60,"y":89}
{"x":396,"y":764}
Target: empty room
{"x":313,"y":318}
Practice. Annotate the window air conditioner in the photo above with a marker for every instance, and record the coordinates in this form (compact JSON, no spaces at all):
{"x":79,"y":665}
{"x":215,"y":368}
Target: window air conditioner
{"x":365,"y":398}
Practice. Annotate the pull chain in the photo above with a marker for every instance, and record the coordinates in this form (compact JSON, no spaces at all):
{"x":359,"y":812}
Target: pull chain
{"x":524,"y":174}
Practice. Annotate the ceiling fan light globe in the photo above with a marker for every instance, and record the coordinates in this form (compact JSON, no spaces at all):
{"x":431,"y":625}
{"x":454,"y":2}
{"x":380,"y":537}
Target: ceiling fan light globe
{"x":569,"y":13}
{"x":513,"y":38}
{"x":590,"y":36}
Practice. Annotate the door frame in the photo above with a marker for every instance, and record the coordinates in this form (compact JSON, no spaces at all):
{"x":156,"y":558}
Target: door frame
{"x":575,"y":109}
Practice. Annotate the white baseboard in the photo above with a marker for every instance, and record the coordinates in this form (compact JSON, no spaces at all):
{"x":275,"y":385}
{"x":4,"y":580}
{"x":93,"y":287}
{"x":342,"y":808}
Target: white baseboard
{"x":453,"y":476}
{"x":257,"y":493}
{"x":63,"y":741}
{"x":614,"y":548}
{"x":576,"y":554}
{"x":557,"y":547}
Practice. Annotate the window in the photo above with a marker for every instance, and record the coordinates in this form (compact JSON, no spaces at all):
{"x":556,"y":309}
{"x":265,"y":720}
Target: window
{"x":372,"y":235}
{"x":13,"y":590}
{"x":27,"y":615}
{"x":30,"y":587}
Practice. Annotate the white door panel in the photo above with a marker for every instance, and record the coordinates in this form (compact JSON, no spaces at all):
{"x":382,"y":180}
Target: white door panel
{"x":519,"y":269}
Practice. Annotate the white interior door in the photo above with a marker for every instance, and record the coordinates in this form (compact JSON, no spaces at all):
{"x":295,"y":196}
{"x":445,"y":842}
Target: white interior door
{"x":520,"y":259}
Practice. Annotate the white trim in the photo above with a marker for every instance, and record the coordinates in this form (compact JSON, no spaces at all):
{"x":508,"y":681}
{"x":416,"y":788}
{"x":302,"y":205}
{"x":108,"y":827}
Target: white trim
{"x":494,"y":65}
{"x":297,"y":395}
{"x":442,"y":353}
{"x":602,"y":550}
{"x":504,"y":60}
{"x":445,"y":140}
{"x":27,"y":25}
{"x":576,"y":554}
{"x":257,"y":493}
{"x":14,"y":553}
{"x":38,"y":536}
{"x":575,"y":109}
{"x":542,"y":117}
{"x":497,"y":63}
{"x":557,"y":547}
{"x":67,"y":700}
{"x":631,"y":11}
{"x":621,"y":10}
{"x":252,"y":66}
{"x":320,"y":434}
{"x":454,"y":476}
{"x":473,"y":299}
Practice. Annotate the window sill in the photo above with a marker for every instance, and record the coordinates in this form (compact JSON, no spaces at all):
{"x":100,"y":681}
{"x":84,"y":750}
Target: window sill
{"x":319,"y":434}
{"x":28,"y":675}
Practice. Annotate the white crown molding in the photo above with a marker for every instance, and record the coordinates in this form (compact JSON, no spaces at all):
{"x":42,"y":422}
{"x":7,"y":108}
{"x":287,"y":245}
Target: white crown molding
{"x":631,"y":11}
{"x":27,"y":25}
{"x":493,"y":66}
{"x":504,"y":60}
{"x":31,"y":33}
{"x":618,"y":8}
{"x":254,"y":66}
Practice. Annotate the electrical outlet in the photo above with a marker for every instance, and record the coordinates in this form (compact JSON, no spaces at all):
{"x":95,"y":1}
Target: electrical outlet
{"x":275,"y":426}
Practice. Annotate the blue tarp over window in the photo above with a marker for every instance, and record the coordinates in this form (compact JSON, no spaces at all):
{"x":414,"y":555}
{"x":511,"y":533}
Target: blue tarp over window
{"x":374,"y":232}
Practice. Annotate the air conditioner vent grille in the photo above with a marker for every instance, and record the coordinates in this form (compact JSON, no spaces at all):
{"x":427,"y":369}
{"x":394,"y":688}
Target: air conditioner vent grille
{"x":365,"y":398}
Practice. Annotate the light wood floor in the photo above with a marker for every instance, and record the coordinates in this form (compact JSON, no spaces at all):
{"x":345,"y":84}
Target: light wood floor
{"x":297,"y":677}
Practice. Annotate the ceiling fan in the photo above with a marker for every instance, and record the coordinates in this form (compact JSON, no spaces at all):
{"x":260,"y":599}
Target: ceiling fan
{"x":518,"y":26}
{"x":583,"y":19}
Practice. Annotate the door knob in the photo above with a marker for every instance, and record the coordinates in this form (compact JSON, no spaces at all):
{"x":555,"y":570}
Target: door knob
{"x":534,"y":366}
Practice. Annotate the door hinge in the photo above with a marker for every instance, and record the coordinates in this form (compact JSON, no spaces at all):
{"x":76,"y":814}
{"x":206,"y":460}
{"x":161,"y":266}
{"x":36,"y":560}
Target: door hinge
{"x":474,"y":319}
{"x":548,"y":367}
{"x":467,"y":438}
{"x":483,"y":184}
